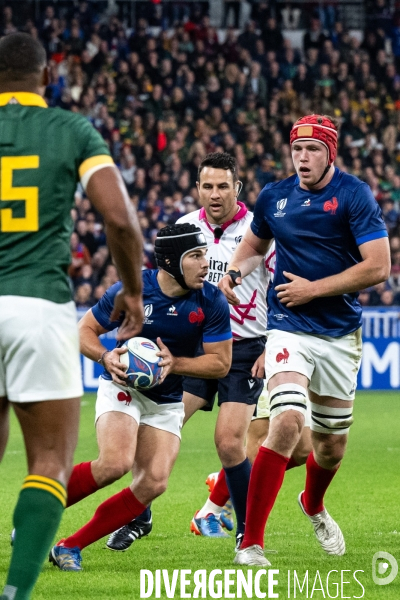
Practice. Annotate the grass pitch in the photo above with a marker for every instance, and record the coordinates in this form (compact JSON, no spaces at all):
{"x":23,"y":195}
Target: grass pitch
{"x":364,"y":498}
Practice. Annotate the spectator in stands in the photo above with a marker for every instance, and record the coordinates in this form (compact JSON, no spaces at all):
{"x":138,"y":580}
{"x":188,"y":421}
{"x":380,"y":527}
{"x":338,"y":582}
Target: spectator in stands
{"x":376,"y":293}
{"x":265,"y":172}
{"x":364,"y":298}
{"x":271,"y":35}
{"x":80,"y":256}
{"x":379,"y":17}
{"x":387,"y":298}
{"x":7,"y":25}
{"x":83,"y":296}
{"x":390,"y":214}
{"x":231,"y":6}
{"x":314,"y":36}
{"x":86,"y":237}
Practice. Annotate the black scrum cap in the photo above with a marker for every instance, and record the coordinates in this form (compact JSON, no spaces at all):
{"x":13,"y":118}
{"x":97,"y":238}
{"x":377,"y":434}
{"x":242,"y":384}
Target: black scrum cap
{"x":171,"y":245}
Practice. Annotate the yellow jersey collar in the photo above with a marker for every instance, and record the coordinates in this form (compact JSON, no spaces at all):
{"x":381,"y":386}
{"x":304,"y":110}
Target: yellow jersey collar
{"x":24,"y":98}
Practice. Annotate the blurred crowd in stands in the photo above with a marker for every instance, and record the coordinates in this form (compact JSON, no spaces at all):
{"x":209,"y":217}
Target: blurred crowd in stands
{"x":165,"y":96}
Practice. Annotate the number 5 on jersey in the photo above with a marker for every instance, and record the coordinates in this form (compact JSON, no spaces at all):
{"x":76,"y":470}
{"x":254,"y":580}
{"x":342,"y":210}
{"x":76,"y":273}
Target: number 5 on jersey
{"x":29,"y":195}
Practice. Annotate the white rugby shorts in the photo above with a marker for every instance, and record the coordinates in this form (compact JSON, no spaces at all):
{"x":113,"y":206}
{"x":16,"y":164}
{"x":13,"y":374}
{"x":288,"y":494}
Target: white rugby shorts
{"x":115,"y":398}
{"x":330,"y":364}
{"x":39,"y":350}
{"x":263,"y":411}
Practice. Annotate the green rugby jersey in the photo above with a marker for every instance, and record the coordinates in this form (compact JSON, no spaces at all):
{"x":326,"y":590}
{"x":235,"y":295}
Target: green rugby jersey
{"x":43,"y":154}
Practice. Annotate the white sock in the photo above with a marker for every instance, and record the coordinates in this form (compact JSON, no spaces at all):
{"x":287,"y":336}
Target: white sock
{"x":208,"y":508}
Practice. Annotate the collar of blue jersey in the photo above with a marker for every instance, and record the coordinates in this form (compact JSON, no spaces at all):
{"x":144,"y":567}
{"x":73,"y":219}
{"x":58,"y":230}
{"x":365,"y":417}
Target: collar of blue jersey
{"x":24,"y":98}
{"x":239,"y":215}
{"x":332,"y":182}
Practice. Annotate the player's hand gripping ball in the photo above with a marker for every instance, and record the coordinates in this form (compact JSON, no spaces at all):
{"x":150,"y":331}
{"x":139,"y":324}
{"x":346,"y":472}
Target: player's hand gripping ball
{"x":142,"y":363}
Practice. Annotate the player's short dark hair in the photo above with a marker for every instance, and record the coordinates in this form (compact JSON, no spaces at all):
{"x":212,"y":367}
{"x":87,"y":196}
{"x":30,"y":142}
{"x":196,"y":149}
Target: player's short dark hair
{"x":21,"y":55}
{"x":219,"y":160}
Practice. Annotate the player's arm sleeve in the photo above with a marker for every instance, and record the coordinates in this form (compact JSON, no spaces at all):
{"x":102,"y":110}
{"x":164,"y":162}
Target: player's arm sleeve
{"x":259,"y":225}
{"x":104,"y":307}
{"x":218,"y":324}
{"x":365,"y":216}
{"x":93,"y":153}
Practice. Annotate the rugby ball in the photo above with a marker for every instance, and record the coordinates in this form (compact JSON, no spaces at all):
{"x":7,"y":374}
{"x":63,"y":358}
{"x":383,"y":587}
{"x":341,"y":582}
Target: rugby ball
{"x":141,"y":361}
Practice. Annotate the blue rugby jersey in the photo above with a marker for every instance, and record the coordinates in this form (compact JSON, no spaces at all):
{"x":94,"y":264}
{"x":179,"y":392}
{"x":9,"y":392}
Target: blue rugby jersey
{"x":317,"y":234}
{"x":182,"y":323}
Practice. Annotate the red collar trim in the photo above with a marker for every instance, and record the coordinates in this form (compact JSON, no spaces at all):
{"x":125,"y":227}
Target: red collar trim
{"x":239,"y":215}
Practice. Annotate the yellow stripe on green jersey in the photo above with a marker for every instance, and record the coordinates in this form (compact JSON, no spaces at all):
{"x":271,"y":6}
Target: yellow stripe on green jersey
{"x":91,"y":165}
{"x":23,"y":98}
{"x":103,"y":159}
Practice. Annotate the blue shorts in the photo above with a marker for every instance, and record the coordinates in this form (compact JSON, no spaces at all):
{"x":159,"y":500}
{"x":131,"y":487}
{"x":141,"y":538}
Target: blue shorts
{"x":238,"y":385}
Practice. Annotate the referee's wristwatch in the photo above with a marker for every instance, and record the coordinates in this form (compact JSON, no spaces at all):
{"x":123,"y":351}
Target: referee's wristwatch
{"x":234,"y":274}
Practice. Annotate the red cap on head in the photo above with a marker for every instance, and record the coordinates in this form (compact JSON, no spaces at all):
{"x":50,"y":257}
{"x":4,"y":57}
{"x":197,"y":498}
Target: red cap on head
{"x":319,"y":128}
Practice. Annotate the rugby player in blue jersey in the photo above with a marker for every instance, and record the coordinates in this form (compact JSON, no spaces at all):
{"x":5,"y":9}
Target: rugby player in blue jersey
{"x":330,"y":242}
{"x":141,"y":430}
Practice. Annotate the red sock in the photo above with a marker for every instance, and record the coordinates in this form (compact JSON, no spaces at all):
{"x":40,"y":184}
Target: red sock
{"x":81,"y":483}
{"x":317,"y":482}
{"x":266,"y":479}
{"x":220,"y":494}
{"x":109,"y":516}
{"x":292,"y":464}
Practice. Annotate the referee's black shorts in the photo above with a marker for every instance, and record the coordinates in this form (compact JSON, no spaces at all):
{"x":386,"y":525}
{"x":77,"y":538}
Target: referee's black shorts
{"x":238,"y":385}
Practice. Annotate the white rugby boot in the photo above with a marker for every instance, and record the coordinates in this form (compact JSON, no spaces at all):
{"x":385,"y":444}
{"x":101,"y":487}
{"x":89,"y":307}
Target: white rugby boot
{"x":327,"y":531}
{"x":252,"y":556}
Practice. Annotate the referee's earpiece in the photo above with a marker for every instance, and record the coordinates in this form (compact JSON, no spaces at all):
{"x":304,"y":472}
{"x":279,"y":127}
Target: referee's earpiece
{"x":239,"y":186}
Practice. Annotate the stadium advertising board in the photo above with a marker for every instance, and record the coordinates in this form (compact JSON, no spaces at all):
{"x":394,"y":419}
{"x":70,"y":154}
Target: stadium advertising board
{"x":380,"y":367}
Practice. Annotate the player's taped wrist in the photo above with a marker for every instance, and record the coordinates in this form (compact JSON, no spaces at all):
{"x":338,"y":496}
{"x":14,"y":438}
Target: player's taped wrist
{"x":101,"y":359}
{"x":234,"y":275}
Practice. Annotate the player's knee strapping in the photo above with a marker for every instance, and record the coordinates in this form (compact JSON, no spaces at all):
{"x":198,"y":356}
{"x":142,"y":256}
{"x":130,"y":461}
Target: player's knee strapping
{"x":288,"y":396}
{"x":326,"y":419}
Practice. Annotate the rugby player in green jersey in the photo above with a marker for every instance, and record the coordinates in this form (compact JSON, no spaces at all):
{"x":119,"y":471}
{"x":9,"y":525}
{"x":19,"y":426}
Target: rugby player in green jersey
{"x":44,"y":152}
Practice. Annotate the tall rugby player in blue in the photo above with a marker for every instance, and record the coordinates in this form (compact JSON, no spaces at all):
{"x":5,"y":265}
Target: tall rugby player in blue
{"x":141,"y":429}
{"x":331,"y":242}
